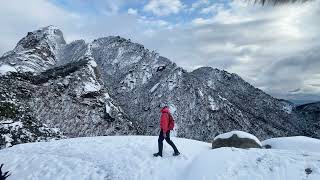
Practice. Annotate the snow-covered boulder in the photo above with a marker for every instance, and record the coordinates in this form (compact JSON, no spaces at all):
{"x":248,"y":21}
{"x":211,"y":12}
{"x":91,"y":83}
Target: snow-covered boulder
{"x":297,"y":143}
{"x":238,"y":139}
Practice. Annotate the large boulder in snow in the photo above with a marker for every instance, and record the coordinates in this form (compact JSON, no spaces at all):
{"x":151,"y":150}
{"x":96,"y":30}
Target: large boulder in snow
{"x":238,"y":139}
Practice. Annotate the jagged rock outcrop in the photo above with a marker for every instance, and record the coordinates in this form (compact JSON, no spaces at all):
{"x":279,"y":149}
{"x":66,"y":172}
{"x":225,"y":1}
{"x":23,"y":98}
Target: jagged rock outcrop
{"x":36,"y":52}
{"x":71,"y":98}
{"x":67,"y":94}
{"x":114,"y":86}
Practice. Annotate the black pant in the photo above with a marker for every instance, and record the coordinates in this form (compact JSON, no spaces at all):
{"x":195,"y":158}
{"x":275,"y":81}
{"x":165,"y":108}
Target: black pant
{"x":160,"y":142}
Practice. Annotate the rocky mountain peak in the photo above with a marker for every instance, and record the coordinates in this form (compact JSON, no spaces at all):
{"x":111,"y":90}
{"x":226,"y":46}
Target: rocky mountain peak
{"x":51,"y":37}
{"x":36,"y":52}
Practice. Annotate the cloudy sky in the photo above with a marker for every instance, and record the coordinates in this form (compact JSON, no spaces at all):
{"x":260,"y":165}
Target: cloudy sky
{"x":277,"y":49}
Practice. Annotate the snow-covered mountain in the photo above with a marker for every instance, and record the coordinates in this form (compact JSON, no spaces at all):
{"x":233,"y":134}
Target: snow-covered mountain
{"x":205,"y":102}
{"x":114,"y":86}
{"x":130,"y":158}
{"x":67,"y":96}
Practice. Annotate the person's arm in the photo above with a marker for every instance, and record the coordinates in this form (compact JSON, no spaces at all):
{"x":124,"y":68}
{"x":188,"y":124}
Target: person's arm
{"x":164,"y":123}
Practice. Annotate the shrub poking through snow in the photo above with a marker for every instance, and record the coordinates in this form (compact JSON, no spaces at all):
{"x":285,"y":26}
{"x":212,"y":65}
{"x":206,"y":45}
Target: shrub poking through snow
{"x":4,"y":175}
{"x":238,"y":139}
{"x":308,"y":171}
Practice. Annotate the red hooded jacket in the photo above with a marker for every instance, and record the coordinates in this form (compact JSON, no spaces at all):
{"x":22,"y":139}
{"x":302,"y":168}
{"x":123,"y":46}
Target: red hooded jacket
{"x":164,"y":120}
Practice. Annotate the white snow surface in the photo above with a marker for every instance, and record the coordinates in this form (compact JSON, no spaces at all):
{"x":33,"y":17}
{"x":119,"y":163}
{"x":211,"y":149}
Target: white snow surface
{"x":130,"y":157}
{"x":8,"y":139}
{"x":108,"y":108}
{"x":130,"y":81}
{"x":297,"y":143}
{"x":154,"y":88}
{"x":13,"y":126}
{"x":287,"y":108}
{"x":106,"y":95}
{"x":240,"y":134}
{"x":200,"y":93}
{"x":213,"y":104}
{"x":253,"y":164}
{"x":93,"y":63}
{"x":5,"y":69}
{"x":91,"y":87}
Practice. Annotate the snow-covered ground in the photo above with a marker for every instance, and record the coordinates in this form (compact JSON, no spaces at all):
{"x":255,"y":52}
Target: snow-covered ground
{"x":297,"y":143}
{"x":130,"y":157}
{"x":253,"y":164}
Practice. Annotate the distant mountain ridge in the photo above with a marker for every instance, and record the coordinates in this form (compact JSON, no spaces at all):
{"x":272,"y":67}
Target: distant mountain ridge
{"x":311,"y":114}
{"x":114,"y":86}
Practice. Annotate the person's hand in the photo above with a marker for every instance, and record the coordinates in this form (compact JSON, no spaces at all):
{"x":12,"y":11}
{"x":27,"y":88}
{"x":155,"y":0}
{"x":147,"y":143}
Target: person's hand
{"x":164,"y":135}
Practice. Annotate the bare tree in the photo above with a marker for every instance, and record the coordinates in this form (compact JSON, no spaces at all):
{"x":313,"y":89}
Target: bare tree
{"x":4,"y":175}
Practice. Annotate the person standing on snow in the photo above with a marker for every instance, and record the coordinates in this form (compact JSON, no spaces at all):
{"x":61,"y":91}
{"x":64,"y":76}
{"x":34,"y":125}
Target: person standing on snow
{"x":166,"y":124}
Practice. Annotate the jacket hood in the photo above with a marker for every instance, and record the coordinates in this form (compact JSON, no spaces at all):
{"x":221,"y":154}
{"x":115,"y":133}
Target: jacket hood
{"x":165,"y":110}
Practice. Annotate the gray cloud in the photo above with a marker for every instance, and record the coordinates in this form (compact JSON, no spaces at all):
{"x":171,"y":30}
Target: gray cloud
{"x":298,"y":74}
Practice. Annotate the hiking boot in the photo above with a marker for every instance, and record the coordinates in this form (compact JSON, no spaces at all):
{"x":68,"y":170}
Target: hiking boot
{"x":157,"y":154}
{"x":176,"y":154}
